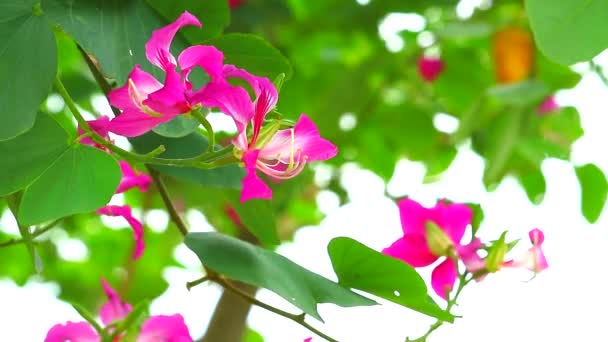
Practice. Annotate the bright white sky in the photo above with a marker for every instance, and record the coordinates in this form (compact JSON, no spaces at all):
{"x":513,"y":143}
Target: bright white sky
{"x":564,"y":303}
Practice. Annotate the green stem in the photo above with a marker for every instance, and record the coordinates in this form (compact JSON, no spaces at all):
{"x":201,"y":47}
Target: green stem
{"x":33,"y":235}
{"x":210,"y":134}
{"x":164,"y":194}
{"x":599,"y":71}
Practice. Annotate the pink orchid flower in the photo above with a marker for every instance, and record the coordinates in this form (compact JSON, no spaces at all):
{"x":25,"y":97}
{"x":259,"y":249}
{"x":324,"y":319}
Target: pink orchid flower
{"x":124,"y":211}
{"x":131,"y":179}
{"x":100,"y":126}
{"x":154,"y":329}
{"x":147,"y":103}
{"x":534,"y":259}
{"x":547,"y":106}
{"x":280,"y":154}
{"x":430,"y":68}
{"x":421,"y":244}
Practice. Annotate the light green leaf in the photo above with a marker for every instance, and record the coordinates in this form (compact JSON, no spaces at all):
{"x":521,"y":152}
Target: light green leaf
{"x":521,"y":94}
{"x":24,"y":158}
{"x":253,"y":265}
{"x":178,"y":127}
{"x":503,"y":137}
{"x":569,"y":31}
{"x":29,"y":64}
{"x":363,"y":268}
{"x":81,"y":180}
{"x":252,"y":53}
{"x":594,"y":189}
{"x":534,"y":184}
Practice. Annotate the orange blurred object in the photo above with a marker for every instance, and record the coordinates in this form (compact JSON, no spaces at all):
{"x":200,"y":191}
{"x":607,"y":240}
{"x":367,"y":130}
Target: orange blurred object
{"x":513,"y":52}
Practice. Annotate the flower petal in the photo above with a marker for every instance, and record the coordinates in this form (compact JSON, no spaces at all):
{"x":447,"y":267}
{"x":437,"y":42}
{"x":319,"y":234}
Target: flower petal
{"x":414,"y":217}
{"x":164,"y":328}
{"x":536,"y":237}
{"x":430,"y":68}
{"x":412,"y":249}
{"x":209,"y":58}
{"x":468,"y":254}
{"x":139,"y":84}
{"x":99,"y":126}
{"x":231,"y":100}
{"x":138,"y":230}
{"x":130,"y":179}
{"x":453,"y":219}
{"x":158,"y":47}
{"x":443,"y":278}
{"x":115,"y":309}
{"x":305,"y":142}
{"x":72,"y":332}
{"x":171,"y":98}
{"x":132,"y":123}
{"x":253,"y":186}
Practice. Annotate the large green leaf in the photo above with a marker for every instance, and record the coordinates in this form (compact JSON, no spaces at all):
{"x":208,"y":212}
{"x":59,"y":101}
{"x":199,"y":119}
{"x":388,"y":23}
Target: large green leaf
{"x":569,"y":31}
{"x":363,"y":268}
{"x":213,"y":14}
{"x":252,"y":53}
{"x":82,"y":179}
{"x":503,"y":137}
{"x":258,"y":217}
{"x":187,"y":147}
{"x":114,"y":31}
{"x":594,"y":189}
{"x":242,"y":261}
{"x":24,"y":158}
{"x":29,"y":64}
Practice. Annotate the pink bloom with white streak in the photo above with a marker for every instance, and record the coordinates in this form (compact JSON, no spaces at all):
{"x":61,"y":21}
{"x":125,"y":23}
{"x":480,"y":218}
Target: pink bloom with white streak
{"x":132,"y":178}
{"x":124,"y":211}
{"x":534,"y":258}
{"x":281,"y":154}
{"x":147,"y":103}
{"x":421,"y":246}
{"x":154,"y":329}
{"x":547,"y":106}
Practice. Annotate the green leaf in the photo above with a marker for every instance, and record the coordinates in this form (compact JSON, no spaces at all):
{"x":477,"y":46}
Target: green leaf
{"x":252,"y":53}
{"x":534,"y":184}
{"x":253,"y":336}
{"x":24,"y":158}
{"x":363,"y":268}
{"x":186,"y":147}
{"x":521,"y":94}
{"x":213,"y":14}
{"x":568,"y":31}
{"x":82,"y":179}
{"x":478,"y":216}
{"x":29,"y":64}
{"x":496,"y":254}
{"x":178,"y":127}
{"x":594,"y":189}
{"x":258,"y":217}
{"x":244,"y":262}
{"x":504,"y":135}
{"x":114,"y":31}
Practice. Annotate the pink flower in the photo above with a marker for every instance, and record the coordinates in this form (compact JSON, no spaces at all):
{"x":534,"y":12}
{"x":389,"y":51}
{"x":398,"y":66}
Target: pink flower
{"x":144,"y":101}
{"x":138,"y":229}
{"x":131,"y":179}
{"x":534,"y":259}
{"x":154,"y":329}
{"x":281,"y":154}
{"x":433,"y":233}
{"x":548,"y":105}
{"x":99,"y":126}
{"x":430,"y":68}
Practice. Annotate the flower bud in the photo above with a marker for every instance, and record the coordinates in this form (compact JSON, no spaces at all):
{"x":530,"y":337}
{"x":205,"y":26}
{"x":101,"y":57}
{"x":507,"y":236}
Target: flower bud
{"x":437,"y":240}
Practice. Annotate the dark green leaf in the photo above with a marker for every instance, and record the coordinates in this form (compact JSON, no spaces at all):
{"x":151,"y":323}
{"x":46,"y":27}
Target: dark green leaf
{"x":534,"y":184}
{"x":187,"y":147}
{"x":363,"y":268}
{"x":259,"y":218}
{"x":568,"y":31}
{"x":256,"y":266}
{"x":594,"y":189}
{"x":178,"y":127}
{"x":213,"y":14}
{"x":82,"y":179}
{"x":24,"y":158}
{"x":252,"y":53}
{"x":29,"y":64}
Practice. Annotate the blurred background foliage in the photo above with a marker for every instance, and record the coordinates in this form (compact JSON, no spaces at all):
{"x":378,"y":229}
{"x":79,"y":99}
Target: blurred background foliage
{"x":358,"y":82}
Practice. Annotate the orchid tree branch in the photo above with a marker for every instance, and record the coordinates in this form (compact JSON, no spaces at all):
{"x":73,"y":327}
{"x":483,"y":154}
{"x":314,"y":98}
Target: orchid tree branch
{"x":33,"y":235}
{"x":207,"y":125}
{"x":164,"y":194}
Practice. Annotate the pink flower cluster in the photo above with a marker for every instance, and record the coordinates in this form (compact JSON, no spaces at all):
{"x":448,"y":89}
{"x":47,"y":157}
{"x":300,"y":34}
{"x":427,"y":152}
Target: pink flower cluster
{"x":155,"y":328}
{"x":430,"y":234}
{"x":146,"y":103}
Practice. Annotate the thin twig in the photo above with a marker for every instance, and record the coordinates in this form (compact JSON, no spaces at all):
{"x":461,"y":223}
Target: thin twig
{"x":35,"y":234}
{"x":164,"y":194}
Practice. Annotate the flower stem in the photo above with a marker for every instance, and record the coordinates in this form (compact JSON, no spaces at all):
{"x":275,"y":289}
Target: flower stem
{"x":164,"y":194}
{"x":210,"y":134}
{"x":33,"y":235}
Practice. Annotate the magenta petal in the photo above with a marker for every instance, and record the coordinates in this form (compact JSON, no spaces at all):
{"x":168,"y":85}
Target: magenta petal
{"x":414,"y":217}
{"x":231,"y":100}
{"x":139,"y":84}
{"x":305,"y":142}
{"x":158,"y":47}
{"x":209,"y":58}
{"x":468,"y":254}
{"x":130,"y":179}
{"x":138,"y":230}
{"x":115,"y":309}
{"x":430,"y":68}
{"x":443,"y":278}
{"x":412,"y":249}
{"x":132,"y":123}
{"x":453,"y":219}
{"x":170,"y":99}
{"x":536,"y":236}
{"x":253,"y":186}
{"x":72,"y":332}
{"x":548,"y":105}
{"x":165,"y":329}
{"x":99,"y":126}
